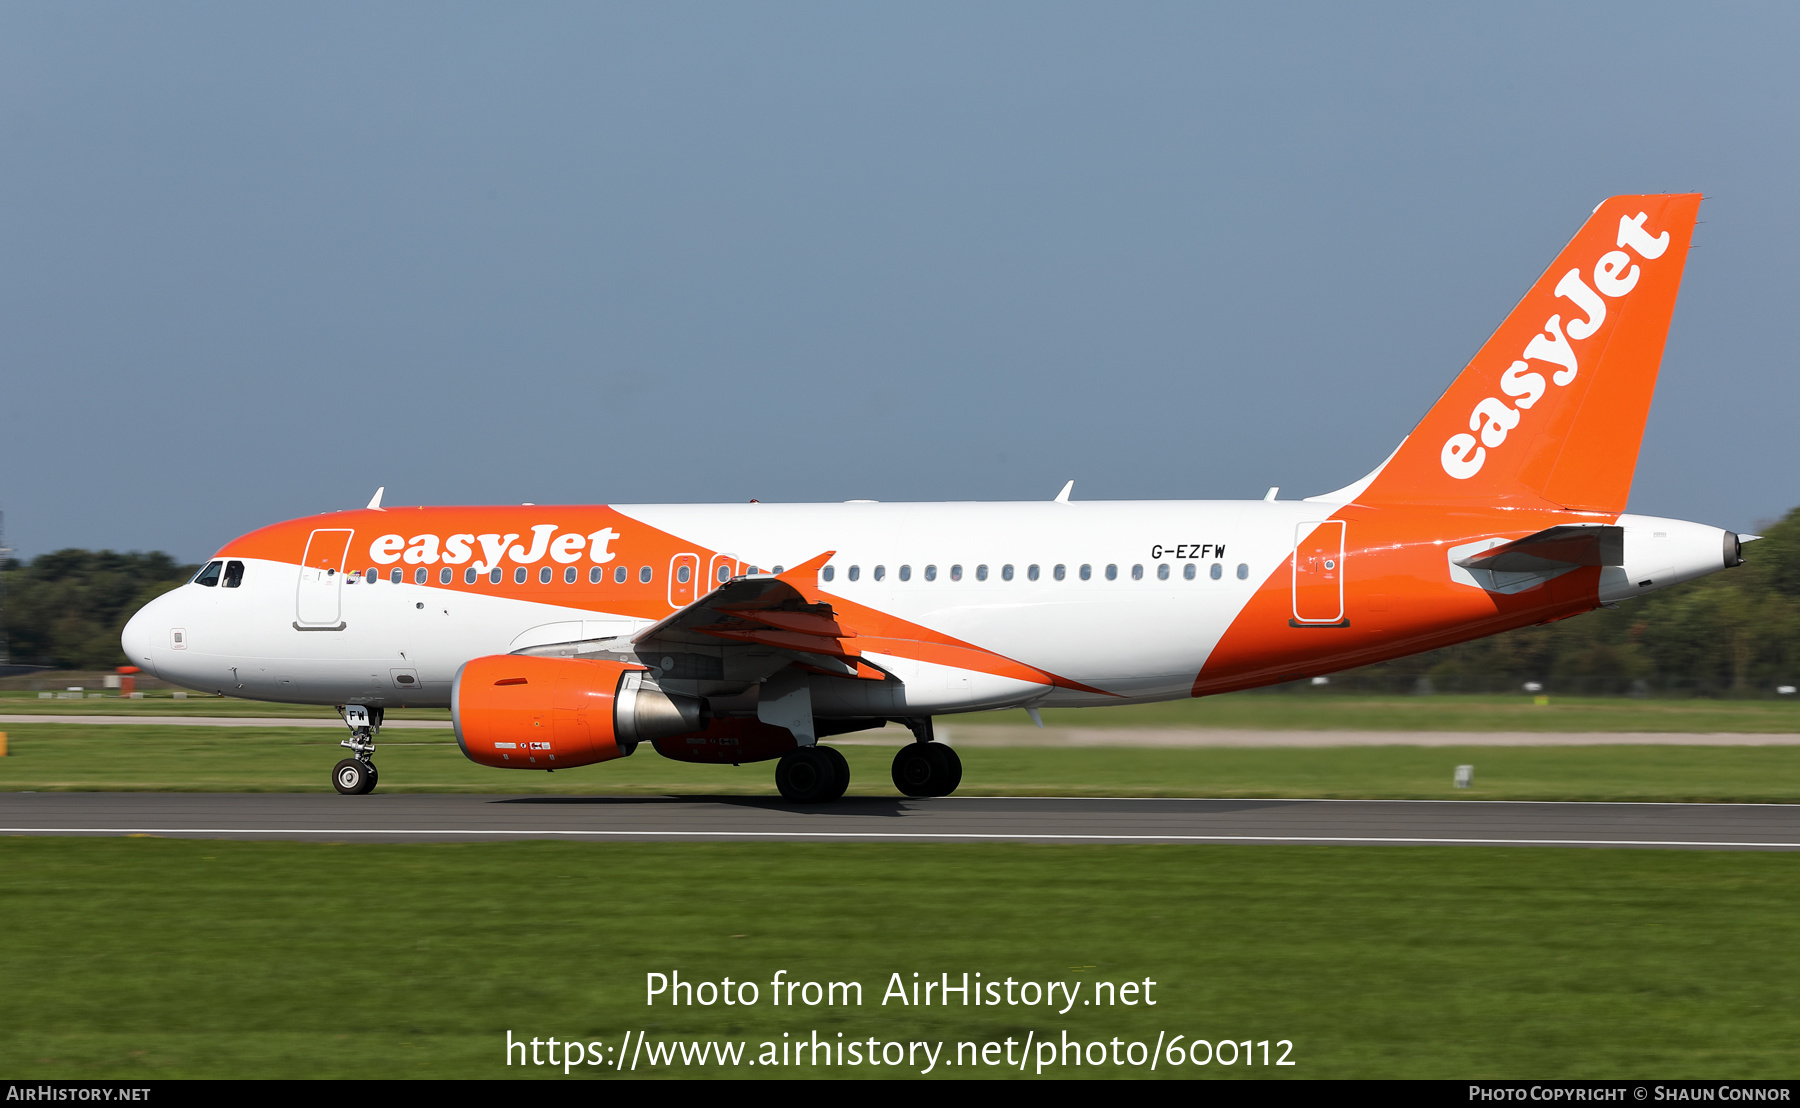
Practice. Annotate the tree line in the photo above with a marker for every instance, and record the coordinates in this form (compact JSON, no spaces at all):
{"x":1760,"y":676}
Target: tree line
{"x":66,"y":609}
{"x":1736,"y":632}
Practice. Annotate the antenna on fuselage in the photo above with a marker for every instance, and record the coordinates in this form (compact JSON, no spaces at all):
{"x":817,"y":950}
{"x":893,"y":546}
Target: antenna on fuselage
{"x":1063,"y":496}
{"x":375,"y":501}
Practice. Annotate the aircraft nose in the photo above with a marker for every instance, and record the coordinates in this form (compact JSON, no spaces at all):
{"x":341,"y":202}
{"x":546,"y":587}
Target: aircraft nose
{"x":139,"y":635}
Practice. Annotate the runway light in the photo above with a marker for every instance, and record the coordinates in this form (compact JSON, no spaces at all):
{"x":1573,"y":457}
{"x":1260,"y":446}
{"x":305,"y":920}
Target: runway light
{"x":1465,"y":776}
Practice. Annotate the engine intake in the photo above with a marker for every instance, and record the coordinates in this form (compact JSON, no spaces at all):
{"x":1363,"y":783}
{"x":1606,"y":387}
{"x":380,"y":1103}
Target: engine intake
{"x":514,"y":711}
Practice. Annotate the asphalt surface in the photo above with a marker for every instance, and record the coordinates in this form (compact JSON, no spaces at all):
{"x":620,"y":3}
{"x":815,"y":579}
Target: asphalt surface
{"x":421,"y":817}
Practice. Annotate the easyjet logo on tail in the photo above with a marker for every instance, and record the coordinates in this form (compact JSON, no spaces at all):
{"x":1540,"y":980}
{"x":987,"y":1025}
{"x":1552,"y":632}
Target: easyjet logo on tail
{"x":426,"y":550}
{"x":1614,"y":275}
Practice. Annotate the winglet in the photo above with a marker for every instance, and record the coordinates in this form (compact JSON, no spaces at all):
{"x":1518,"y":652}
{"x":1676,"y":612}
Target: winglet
{"x":805,"y":576}
{"x":375,"y":501}
{"x":1063,"y":496}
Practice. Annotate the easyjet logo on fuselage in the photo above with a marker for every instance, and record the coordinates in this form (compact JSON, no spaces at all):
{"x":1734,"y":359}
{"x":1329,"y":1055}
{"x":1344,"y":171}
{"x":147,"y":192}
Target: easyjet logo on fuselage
{"x":426,"y":550}
{"x":1615,"y":276}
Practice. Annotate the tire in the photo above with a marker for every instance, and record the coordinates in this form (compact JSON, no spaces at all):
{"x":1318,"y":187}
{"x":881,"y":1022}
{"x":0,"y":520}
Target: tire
{"x":949,"y":768}
{"x":841,"y":767}
{"x":351,"y":777}
{"x":914,"y":771}
{"x":806,"y":776}
{"x":374,"y":778}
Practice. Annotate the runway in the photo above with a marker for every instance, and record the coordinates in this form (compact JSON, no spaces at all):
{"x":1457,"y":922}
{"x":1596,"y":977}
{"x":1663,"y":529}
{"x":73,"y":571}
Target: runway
{"x":966,"y":735}
{"x":437,"y":817}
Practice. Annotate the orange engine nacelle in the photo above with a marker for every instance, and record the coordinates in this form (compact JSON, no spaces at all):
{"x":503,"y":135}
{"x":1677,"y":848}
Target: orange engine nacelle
{"x":515,"y":711}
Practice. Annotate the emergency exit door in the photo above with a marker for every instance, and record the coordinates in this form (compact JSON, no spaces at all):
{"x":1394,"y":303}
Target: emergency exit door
{"x":684,"y":571}
{"x":1319,"y":572}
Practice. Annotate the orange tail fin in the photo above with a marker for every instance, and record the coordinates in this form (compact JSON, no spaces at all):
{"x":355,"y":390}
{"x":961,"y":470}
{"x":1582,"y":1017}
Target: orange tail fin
{"x":1551,"y":411}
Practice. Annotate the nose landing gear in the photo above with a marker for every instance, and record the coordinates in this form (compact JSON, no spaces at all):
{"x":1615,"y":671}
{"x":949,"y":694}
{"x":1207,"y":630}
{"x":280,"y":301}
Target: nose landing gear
{"x":357,"y":774}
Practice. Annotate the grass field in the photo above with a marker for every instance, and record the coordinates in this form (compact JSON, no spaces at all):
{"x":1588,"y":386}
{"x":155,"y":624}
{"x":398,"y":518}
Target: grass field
{"x":149,"y":957}
{"x":1299,"y":711}
{"x":47,"y":757}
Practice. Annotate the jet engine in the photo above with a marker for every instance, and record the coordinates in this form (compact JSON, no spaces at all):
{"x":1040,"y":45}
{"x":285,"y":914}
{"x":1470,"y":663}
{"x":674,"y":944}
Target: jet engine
{"x":514,"y":711}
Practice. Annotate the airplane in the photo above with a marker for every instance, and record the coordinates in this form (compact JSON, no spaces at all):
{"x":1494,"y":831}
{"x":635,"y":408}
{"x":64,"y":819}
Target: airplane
{"x":562,"y":636}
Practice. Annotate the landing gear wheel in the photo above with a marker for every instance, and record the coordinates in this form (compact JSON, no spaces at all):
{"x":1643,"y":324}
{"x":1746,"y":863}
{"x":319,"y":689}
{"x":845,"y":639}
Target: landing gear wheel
{"x":949,"y":768}
{"x":913,"y":769}
{"x":927,"y":769}
{"x":352,"y":778}
{"x":374,"y":776}
{"x":807,"y":776}
{"x":840,"y":767}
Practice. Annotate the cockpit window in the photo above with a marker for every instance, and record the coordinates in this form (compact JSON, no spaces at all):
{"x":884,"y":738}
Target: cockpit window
{"x":234,"y":574}
{"x":210,"y":575}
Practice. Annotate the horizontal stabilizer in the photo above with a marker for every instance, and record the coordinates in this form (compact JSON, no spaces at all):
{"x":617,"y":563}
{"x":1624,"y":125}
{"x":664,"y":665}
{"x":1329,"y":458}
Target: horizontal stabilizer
{"x":1553,"y":549}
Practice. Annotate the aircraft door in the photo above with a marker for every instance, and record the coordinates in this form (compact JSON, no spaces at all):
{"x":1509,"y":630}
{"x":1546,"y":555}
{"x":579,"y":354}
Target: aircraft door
{"x":321,"y":578}
{"x":1319,"y":572}
{"x":722,"y":569}
{"x":684,"y":573}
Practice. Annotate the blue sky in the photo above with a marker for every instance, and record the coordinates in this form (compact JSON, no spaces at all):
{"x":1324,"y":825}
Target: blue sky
{"x":259,"y":259}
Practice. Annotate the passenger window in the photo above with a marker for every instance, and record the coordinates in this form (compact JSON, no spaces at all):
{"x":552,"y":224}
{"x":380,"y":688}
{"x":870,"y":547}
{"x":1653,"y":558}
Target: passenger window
{"x":855,"y":573}
{"x":724,"y":574}
{"x":981,"y":573}
{"x":445,"y":574}
{"x":596,"y":575}
{"x":619,"y":575}
{"x":1217,"y":571}
{"x":777,"y":571}
{"x":209,"y":574}
{"x":1060,"y":572}
{"x":1006,"y":573}
{"x":544,"y":575}
{"x":1031,"y":573}
{"x":646,"y":574}
{"x":468,"y":575}
{"x":682,"y":574}
{"x":880,"y":573}
{"x":494,"y":575}
{"x":569,"y":575}
{"x":371,"y":574}
{"x":956,"y":573}
{"x":519,"y":576}
{"x":234,"y":574}
{"x":1137,"y":573}
{"x":1243,"y":572}
{"x":906,"y":573}
{"x":396,"y":575}
{"x":421,"y":575}
{"x":931,"y":573}
{"x":828,"y":573}
{"x":1112,"y":573}
{"x":1162,"y":572}
{"x":1189,"y":571}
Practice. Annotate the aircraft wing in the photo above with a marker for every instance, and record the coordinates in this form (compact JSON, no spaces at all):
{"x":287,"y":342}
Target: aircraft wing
{"x":771,"y":613}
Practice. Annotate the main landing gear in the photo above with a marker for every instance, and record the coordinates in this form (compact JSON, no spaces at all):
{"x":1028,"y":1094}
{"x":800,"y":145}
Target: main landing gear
{"x":926,"y":768}
{"x":357,"y":774}
{"x":812,"y":775}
